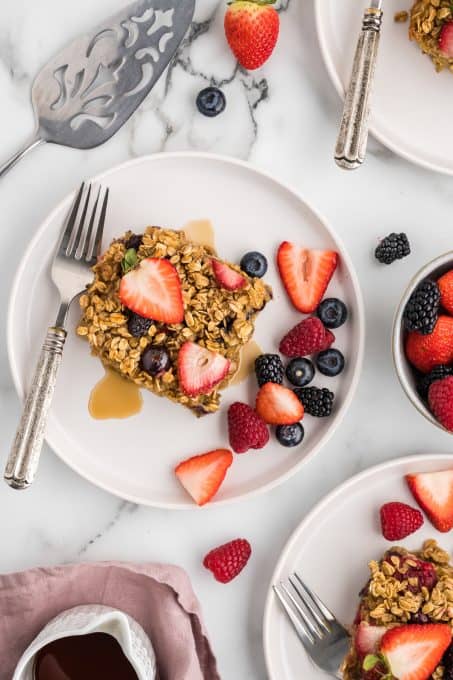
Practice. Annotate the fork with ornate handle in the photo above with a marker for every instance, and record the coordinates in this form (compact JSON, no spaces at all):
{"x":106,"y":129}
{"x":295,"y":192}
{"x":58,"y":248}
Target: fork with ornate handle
{"x":324,"y":639}
{"x":352,"y":140}
{"x":76,"y":253}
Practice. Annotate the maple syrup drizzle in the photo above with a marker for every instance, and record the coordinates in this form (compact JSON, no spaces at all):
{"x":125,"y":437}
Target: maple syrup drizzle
{"x":114,"y":397}
{"x":249,"y":353}
{"x":201,"y":232}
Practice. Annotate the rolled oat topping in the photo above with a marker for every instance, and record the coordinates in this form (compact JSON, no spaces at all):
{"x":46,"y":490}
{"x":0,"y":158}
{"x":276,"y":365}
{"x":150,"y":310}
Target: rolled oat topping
{"x":427,"y":18}
{"x":218,"y":319}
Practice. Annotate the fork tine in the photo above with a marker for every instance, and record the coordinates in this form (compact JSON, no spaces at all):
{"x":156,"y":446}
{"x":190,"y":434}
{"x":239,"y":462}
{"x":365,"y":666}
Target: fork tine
{"x":309,"y":605}
{"x":76,"y":242}
{"x":309,"y":625}
{"x":66,"y":237}
{"x":303,"y":634}
{"x":325,"y":612}
{"x":100,"y":230}
{"x":87,"y":242}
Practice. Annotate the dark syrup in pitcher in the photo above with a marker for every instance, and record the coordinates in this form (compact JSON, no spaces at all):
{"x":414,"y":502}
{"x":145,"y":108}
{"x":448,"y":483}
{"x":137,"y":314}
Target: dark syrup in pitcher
{"x":83,"y":657}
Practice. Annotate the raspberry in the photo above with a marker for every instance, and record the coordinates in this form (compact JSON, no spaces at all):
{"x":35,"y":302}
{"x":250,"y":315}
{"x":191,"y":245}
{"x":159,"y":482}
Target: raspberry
{"x":307,"y":337}
{"x":269,"y":368}
{"x":392,"y":247}
{"x":246,"y":429}
{"x":228,"y":560}
{"x":426,"y":381}
{"x":399,"y":520}
{"x":440,"y":398}
{"x":420,"y":313}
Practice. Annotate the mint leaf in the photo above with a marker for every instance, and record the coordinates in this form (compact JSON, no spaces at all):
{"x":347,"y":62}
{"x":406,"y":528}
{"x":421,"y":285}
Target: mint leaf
{"x":370,"y":661}
{"x":130,"y":260}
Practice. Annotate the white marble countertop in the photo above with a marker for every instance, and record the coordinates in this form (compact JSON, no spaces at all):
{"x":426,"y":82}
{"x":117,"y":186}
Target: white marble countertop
{"x":282,"y":118}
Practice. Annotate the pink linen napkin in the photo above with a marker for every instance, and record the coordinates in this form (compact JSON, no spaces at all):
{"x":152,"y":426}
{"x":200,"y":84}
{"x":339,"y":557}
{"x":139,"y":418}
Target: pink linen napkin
{"x":159,"y":597}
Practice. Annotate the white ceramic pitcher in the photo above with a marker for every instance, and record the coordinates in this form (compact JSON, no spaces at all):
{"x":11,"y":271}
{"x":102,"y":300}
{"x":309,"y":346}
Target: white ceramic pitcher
{"x":87,"y":619}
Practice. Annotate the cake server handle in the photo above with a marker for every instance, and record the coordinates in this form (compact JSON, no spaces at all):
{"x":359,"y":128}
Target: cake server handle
{"x":352,"y":140}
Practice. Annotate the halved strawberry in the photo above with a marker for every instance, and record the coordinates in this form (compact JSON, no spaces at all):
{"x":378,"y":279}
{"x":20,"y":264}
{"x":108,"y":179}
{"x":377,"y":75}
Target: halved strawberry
{"x":202,"y":475}
{"x":446,"y":39}
{"x":200,"y":370}
{"x":227,"y":277}
{"x":305,"y":274}
{"x":433,"y":491}
{"x":277,"y":405}
{"x":368,"y":638}
{"x":153,"y":290}
{"x":414,"y":651}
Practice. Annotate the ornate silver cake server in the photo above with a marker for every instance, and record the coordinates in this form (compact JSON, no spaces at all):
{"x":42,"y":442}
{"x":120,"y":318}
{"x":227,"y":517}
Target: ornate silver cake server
{"x":91,"y":88}
{"x":352,"y":140}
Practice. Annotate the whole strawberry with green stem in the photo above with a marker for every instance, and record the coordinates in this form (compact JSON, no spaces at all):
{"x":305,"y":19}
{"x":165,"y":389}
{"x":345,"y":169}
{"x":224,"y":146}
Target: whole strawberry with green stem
{"x":252,"y":28}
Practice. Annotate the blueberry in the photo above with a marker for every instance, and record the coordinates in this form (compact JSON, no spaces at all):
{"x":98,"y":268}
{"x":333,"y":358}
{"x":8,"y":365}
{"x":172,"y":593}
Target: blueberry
{"x":332,"y":312}
{"x":300,"y":371}
{"x":211,"y":101}
{"x":290,"y":435}
{"x":155,"y":361}
{"x":254,"y":264}
{"x":330,"y":362}
{"x":134,"y":241}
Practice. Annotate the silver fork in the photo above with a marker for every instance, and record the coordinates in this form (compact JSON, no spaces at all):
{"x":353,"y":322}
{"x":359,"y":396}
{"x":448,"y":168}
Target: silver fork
{"x":325,"y":640}
{"x":76,"y":253}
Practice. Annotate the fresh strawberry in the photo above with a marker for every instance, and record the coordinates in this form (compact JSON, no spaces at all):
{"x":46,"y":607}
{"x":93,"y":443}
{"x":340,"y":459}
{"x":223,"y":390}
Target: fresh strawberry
{"x":433,"y":491}
{"x":228,"y":560}
{"x":414,"y":651}
{"x":246,"y":429}
{"x":200,"y":370}
{"x":227,"y":277}
{"x":399,"y":520}
{"x":445,"y":282}
{"x":440,"y":397}
{"x":307,"y":337}
{"x":251,"y":29}
{"x":278,"y":405}
{"x":153,"y":290}
{"x":426,"y":351}
{"x":201,"y":476}
{"x":368,"y":638}
{"x":305,"y":274}
{"x":446,"y":39}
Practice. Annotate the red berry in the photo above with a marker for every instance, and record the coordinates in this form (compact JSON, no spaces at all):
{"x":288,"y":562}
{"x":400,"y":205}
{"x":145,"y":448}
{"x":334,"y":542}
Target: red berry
{"x":251,"y":29}
{"x":278,"y":405}
{"x":399,"y":520}
{"x":307,"y":337}
{"x":228,"y":560}
{"x":440,"y":397}
{"x":445,"y":284}
{"x":433,"y":491}
{"x":227,"y":277}
{"x":199,"y":369}
{"x":446,"y":39}
{"x":245,"y":428}
{"x":427,"y":351}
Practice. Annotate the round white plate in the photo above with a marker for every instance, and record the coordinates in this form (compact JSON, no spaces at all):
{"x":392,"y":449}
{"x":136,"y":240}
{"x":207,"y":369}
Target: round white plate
{"x":331,"y":549}
{"x":411,"y":103}
{"x":134,"y":458}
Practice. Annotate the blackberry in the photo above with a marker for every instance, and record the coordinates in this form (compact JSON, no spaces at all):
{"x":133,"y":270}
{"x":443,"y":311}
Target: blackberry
{"x":317,"y":401}
{"x":447,"y":663}
{"x":392,"y":247}
{"x":137,"y":325}
{"x":269,"y":368}
{"x":134,"y":241}
{"x":421,"y":311}
{"x":438,"y":373}
{"x":419,"y":618}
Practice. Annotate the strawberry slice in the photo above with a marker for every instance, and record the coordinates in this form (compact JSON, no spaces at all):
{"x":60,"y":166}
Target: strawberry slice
{"x":201,"y":476}
{"x":413,"y":652}
{"x":277,"y":405}
{"x":227,"y":277}
{"x":368,"y":638}
{"x":153,"y":290}
{"x":200,"y":370}
{"x":305,"y":274}
{"x":446,"y":39}
{"x":433,"y":491}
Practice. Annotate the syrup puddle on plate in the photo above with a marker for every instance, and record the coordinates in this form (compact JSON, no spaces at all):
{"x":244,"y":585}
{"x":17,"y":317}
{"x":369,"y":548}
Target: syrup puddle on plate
{"x":249,"y":353}
{"x":114,"y":397}
{"x":200,"y":231}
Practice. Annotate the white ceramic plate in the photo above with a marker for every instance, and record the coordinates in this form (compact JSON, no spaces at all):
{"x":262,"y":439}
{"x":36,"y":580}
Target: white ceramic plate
{"x":331,"y":549}
{"x":411,"y":103}
{"x":134,"y":458}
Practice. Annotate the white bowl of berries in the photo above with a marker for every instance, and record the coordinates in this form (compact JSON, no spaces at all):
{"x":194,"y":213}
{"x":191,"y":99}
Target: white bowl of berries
{"x":423,"y":341}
